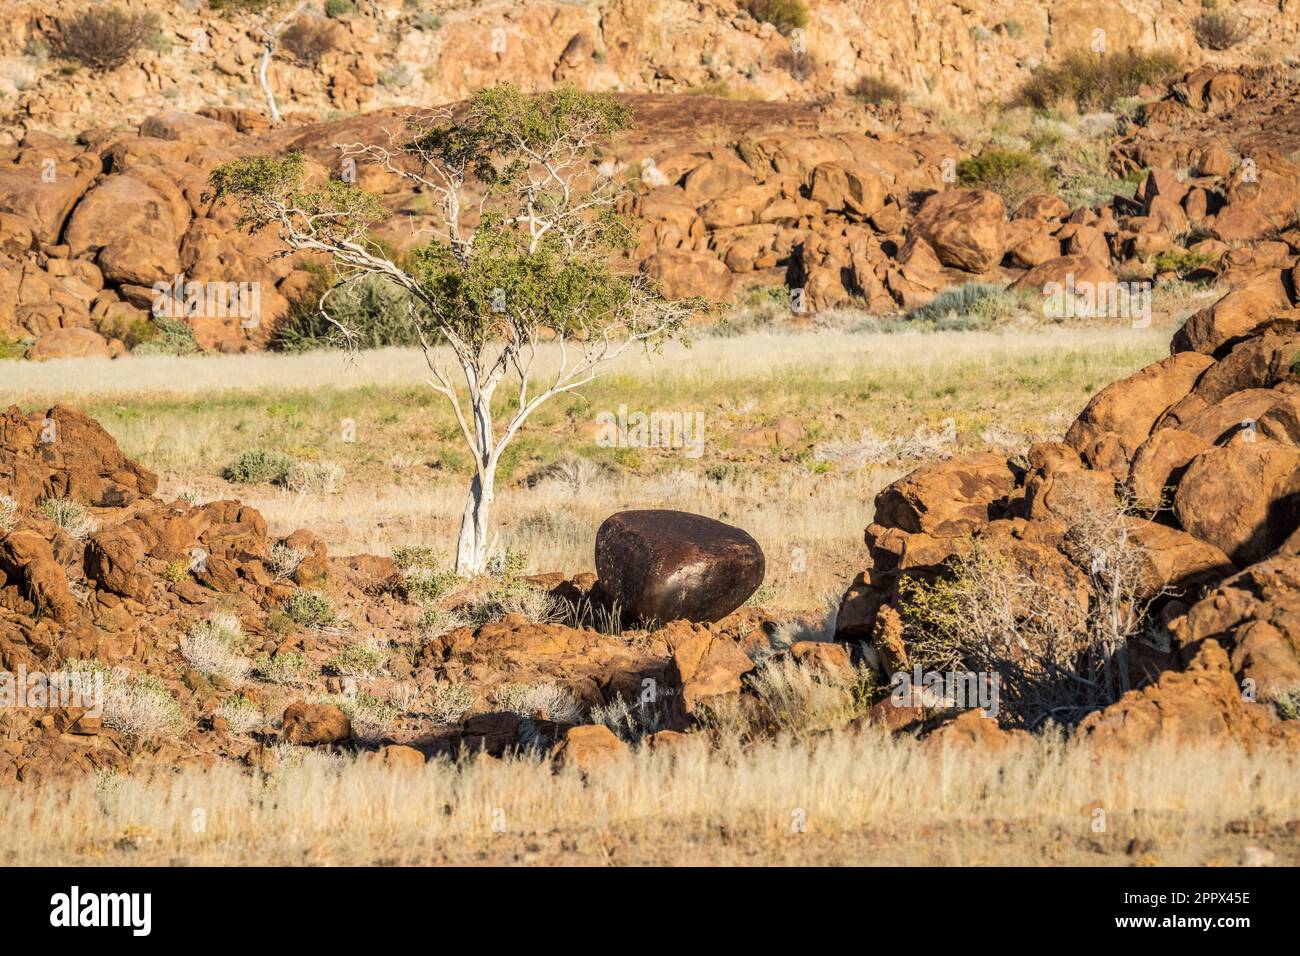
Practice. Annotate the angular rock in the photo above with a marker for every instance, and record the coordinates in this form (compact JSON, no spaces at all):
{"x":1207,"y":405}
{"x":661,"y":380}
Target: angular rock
{"x":965,"y":227}
{"x":1243,"y":498}
{"x":588,"y":746}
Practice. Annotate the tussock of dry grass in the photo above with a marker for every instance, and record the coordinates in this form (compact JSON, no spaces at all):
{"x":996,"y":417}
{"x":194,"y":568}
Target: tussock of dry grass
{"x":876,"y":798}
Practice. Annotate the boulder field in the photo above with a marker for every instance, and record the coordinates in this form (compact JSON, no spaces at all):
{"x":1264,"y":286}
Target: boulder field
{"x":1205,"y":446}
{"x":853,"y":206}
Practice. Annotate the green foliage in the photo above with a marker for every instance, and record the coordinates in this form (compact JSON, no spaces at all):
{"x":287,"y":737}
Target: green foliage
{"x":239,"y":6}
{"x":1183,"y":261}
{"x":240,"y":714}
{"x":286,"y":667}
{"x":986,"y":303}
{"x":373,"y":310}
{"x":176,"y":571}
{"x":1013,"y":175}
{"x":340,"y":8}
{"x":132,"y":331}
{"x":103,"y":38}
{"x":168,"y":337}
{"x":785,"y":15}
{"x":1093,"y":81}
{"x":396,"y":76}
{"x":361,"y":661}
{"x":423,"y":585}
{"x":260,"y":465}
{"x":310,"y":609}
{"x":69,"y":516}
{"x":508,"y":563}
{"x":267,"y":188}
{"x":12,"y":348}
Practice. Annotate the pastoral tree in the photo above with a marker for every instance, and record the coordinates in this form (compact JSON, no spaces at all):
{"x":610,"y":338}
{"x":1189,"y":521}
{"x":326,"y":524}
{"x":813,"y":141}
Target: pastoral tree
{"x":533,"y":259}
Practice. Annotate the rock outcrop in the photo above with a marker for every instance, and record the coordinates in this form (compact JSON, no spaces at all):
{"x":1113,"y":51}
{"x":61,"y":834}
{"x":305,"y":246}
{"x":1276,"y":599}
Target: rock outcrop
{"x":1204,"y":447}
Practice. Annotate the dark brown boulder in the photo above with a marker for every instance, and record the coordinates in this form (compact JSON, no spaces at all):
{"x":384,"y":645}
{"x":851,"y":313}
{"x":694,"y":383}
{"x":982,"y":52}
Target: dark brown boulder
{"x":667,"y":565}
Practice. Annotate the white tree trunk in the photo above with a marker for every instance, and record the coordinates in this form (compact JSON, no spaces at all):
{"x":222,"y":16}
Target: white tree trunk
{"x":266,"y":83}
{"x":474,"y":544}
{"x":472,"y":547}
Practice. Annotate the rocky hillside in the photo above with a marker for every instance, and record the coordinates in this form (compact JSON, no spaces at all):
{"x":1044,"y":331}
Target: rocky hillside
{"x":388,"y":52}
{"x":849,"y":205}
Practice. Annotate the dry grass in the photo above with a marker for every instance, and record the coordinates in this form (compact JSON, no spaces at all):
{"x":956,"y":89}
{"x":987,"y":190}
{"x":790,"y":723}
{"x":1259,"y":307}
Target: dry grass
{"x":916,"y":395}
{"x":834,"y":799}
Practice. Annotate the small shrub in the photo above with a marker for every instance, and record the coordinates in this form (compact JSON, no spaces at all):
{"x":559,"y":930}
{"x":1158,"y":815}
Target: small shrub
{"x":1095,"y":82}
{"x":435,"y":622}
{"x":239,"y":6}
{"x":283,"y":561}
{"x":317,"y":477}
{"x":258,"y":466}
{"x":212,"y":648}
{"x":541,"y":701}
{"x":785,"y":15}
{"x":428,"y":21}
{"x":176,"y":571}
{"x":68,"y":515}
{"x":1288,"y":705}
{"x":308,"y":39}
{"x":449,"y":701}
{"x":631,"y":722}
{"x":423,"y":571}
{"x":1219,"y":31}
{"x":986,"y":302}
{"x":286,"y":667}
{"x":8,"y":514}
{"x":103,"y":39}
{"x":424,"y":586}
{"x":803,"y":699}
{"x":876,"y":90}
{"x":359,"y":661}
{"x":507,"y":563}
{"x":138,"y":705}
{"x":310,"y":609}
{"x":340,"y":8}
{"x":574,"y":473}
{"x":1013,"y":175}
{"x":1182,"y":261}
{"x":411,"y":556}
{"x":169,"y":337}
{"x":373,"y":310}
{"x":371,"y":716}
{"x":396,"y":76}
{"x":536,"y":606}
{"x":241,"y":714}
